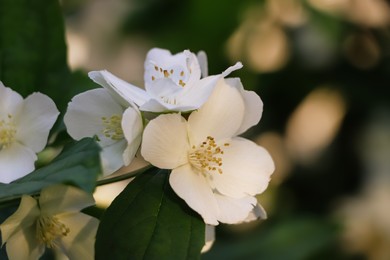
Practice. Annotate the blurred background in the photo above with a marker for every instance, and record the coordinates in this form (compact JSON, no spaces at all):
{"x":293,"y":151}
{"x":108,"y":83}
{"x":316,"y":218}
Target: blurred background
{"x":322,"y":69}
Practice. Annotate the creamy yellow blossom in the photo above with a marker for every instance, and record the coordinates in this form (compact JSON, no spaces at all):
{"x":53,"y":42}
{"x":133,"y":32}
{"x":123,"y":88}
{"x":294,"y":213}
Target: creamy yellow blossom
{"x":52,"y":221}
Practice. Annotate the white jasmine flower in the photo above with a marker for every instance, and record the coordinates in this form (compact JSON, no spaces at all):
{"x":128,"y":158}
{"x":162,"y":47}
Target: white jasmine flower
{"x":24,"y":129}
{"x":214,"y":171}
{"x":52,"y":221}
{"x":172,"y":82}
{"x":117,"y":125}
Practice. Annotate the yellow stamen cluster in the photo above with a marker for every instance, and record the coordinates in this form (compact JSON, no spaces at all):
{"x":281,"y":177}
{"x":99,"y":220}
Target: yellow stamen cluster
{"x":206,"y":157}
{"x":112,"y":127}
{"x":168,"y":74}
{"x":7,"y":132}
{"x":48,"y":229}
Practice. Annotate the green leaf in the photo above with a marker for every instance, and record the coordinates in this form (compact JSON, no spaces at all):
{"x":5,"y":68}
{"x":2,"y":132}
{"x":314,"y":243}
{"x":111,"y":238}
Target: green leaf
{"x":33,"y":49}
{"x":149,"y":221}
{"x":78,"y":165}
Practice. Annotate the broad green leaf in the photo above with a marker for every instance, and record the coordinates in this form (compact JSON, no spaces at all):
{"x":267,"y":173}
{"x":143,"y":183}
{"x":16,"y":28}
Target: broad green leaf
{"x":33,"y":49}
{"x":149,"y":221}
{"x":78,"y":164}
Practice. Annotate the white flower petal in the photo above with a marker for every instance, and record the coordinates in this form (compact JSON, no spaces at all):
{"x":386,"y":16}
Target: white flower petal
{"x":199,"y":93}
{"x":38,"y":115}
{"x":253,"y":105}
{"x":112,"y":157}
{"x":164,"y":93}
{"x":16,"y":161}
{"x":229,"y":70}
{"x":157,"y":54}
{"x":209,"y":238}
{"x":83,"y":117}
{"x":246,"y":168}
{"x":125,"y":93}
{"x":193,"y":67}
{"x":202,"y":59}
{"x":158,"y":106}
{"x":60,"y":198}
{"x":23,"y":217}
{"x":257,"y":212}
{"x":132,"y":129}
{"x":79,"y":242}
{"x":130,"y":152}
{"x":164,"y":87}
{"x":10,"y":102}
{"x":24,"y":245}
{"x":220,"y":117}
{"x":165,"y":142}
{"x":161,"y":63}
{"x":154,"y":106}
{"x":197,"y":193}
{"x":232,"y":210}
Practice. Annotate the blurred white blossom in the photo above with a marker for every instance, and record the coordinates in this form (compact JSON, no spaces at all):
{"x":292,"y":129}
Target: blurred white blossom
{"x":52,"y":221}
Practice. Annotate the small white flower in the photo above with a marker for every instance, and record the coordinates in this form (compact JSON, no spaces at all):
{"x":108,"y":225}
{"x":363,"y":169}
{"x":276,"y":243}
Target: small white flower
{"x":172,"y":82}
{"x":24,"y":129}
{"x":117,"y":125}
{"x":53,"y":221}
{"x":214,"y":171}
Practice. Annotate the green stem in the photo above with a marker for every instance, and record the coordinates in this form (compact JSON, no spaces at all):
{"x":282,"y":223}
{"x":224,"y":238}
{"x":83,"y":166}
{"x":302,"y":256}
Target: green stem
{"x":122,"y":176}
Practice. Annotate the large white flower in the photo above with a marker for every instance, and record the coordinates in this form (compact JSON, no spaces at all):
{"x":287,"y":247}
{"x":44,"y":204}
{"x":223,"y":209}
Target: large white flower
{"x":172,"y":82}
{"x":54,"y":221}
{"x":24,"y":129}
{"x":214,"y":171}
{"x":117,"y":125}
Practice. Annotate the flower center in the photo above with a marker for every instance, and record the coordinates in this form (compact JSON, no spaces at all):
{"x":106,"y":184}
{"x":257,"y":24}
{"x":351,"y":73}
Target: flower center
{"x":112,"y":127}
{"x":7,"y":132}
{"x":206,"y":157}
{"x":48,"y":229}
{"x":177,"y":74}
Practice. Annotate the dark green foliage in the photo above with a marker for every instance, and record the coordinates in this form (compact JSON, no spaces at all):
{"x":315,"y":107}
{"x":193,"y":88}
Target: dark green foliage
{"x":292,"y":239}
{"x":32,"y":48}
{"x":148,"y":221}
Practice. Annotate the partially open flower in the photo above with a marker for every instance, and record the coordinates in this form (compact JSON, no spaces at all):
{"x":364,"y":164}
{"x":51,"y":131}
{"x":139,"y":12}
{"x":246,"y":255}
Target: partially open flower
{"x":214,"y":171}
{"x":54,"y":221}
{"x":24,"y":129}
{"x":172,"y":82}
{"x":117,"y":126}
